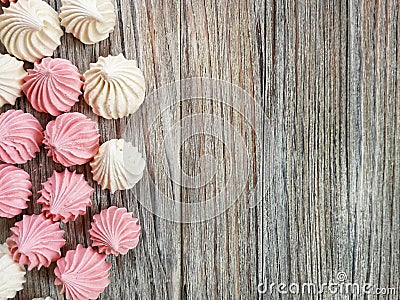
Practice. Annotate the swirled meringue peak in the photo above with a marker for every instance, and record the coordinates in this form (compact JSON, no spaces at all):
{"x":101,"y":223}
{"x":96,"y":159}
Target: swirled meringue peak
{"x":65,"y":196}
{"x":53,"y":86}
{"x":12,"y":275}
{"x":30,"y":29}
{"x":20,"y":137}
{"x":91,"y":21}
{"x":12,"y":76}
{"x":114,"y":87}
{"x":36,"y":241}
{"x":114,"y":231}
{"x":72,"y":139}
{"x":15,"y":190}
{"x":83,"y":273}
{"x":118,"y":165}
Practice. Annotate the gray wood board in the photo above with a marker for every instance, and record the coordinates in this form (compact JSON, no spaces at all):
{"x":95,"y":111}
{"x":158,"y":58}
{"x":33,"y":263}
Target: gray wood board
{"x":323,"y":161}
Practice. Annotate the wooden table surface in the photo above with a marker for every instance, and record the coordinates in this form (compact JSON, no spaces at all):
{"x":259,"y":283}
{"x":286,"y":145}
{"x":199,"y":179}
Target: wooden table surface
{"x":323,"y":157}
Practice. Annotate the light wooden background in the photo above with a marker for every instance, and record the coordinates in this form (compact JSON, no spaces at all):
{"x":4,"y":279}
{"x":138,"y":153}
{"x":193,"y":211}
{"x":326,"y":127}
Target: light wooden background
{"x":327,"y":74}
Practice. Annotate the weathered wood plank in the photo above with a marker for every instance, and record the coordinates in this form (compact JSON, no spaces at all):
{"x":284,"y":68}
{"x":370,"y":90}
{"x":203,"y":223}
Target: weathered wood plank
{"x":333,"y":209}
{"x":219,"y":40}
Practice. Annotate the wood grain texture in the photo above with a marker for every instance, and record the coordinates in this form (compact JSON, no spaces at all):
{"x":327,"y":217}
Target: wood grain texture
{"x":327,"y":75}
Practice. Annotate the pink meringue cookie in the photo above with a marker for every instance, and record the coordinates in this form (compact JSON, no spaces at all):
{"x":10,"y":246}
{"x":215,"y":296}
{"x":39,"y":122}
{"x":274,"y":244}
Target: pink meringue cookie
{"x":8,"y":1}
{"x":20,"y":137}
{"x":53,"y":86}
{"x":14,"y":192}
{"x":36,"y":241}
{"x":114,"y":231}
{"x":83,"y":273}
{"x":65,"y":196}
{"x":72,"y":139}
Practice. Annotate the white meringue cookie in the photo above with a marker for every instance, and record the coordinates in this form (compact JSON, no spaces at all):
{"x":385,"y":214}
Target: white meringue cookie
{"x":30,"y":29}
{"x":118,"y":165}
{"x":12,"y":275}
{"x":114,"y":87}
{"x":47,"y":298}
{"x":90,"y":21}
{"x":4,"y":249}
{"x":12,"y":76}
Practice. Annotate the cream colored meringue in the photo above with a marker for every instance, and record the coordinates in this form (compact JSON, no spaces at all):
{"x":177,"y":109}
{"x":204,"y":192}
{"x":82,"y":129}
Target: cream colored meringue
{"x":118,"y":165}
{"x":12,"y":275}
{"x":90,"y":21}
{"x":4,"y":249}
{"x":115,"y":231}
{"x":30,"y":29}
{"x":114,"y":87}
{"x":12,"y":76}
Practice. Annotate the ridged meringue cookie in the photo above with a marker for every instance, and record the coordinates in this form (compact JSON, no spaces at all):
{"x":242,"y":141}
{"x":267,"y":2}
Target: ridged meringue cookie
{"x":65,"y":196}
{"x":8,"y":1}
{"x":72,"y":139}
{"x":15,"y":190}
{"x":83,"y":273}
{"x":114,"y":231}
{"x":12,"y":275}
{"x":36,"y":241}
{"x":20,"y":137}
{"x":12,"y":76}
{"x":30,"y":29}
{"x":53,"y":86}
{"x":114,"y":87}
{"x":47,"y":298}
{"x":90,"y":21}
{"x":118,"y":165}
